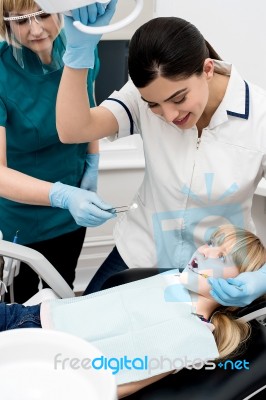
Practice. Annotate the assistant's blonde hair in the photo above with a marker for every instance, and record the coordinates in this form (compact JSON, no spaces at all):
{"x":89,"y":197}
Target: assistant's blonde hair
{"x":12,"y":5}
{"x":248,"y":254}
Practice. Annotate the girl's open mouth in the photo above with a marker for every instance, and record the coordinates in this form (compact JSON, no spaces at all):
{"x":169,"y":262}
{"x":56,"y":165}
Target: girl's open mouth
{"x":194,"y":263}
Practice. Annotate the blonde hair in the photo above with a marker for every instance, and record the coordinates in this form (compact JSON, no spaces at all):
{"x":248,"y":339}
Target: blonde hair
{"x":249,"y":254}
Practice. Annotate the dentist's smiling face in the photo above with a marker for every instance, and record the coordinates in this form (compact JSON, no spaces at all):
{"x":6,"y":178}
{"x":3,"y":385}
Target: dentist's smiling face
{"x":210,"y":260}
{"x":181,"y":102}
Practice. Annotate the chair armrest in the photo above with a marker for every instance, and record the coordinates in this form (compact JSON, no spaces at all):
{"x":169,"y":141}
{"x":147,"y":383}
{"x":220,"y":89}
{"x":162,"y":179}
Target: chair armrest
{"x":41,"y":296}
{"x":39,"y":264}
{"x":254,"y":310}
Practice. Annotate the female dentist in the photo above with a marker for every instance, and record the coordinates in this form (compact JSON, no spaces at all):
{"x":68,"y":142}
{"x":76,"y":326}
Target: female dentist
{"x":203,"y":129}
{"x":33,"y":162}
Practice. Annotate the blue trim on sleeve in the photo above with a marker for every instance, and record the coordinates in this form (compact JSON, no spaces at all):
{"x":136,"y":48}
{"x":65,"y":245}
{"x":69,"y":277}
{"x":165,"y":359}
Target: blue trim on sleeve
{"x":246,"y":115}
{"x":3,"y":308}
{"x":128,"y":113}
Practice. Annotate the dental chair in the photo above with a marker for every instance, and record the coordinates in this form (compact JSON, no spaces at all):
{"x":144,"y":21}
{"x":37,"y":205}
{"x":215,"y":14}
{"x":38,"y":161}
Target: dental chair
{"x":43,"y":354}
{"x":229,"y":381}
{"x":232,"y":383}
{"x":13,"y":252}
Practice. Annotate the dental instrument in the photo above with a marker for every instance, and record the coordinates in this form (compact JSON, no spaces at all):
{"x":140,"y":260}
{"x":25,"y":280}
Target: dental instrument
{"x":121,"y":209}
{"x":208,"y":276}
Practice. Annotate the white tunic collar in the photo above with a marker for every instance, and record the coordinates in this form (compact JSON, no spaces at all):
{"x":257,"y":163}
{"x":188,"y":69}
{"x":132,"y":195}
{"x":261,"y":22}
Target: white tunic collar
{"x":236,"y":99}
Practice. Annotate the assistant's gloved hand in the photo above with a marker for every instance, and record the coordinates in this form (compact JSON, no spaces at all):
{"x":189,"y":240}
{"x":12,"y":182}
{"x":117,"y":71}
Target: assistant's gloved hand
{"x":86,"y":207}
{"x":239,"y":291}
{"x":90,"y":176}
{"x":80,"y":46}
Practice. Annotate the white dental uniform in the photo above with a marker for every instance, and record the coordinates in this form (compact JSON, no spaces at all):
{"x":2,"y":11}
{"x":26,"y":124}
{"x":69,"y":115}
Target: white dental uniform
{"x":191,"y":186}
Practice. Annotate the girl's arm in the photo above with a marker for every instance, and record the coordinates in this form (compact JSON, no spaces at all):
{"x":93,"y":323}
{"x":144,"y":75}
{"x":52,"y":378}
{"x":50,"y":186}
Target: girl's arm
{"x":130,"y":388}
{"x":75,"y":121}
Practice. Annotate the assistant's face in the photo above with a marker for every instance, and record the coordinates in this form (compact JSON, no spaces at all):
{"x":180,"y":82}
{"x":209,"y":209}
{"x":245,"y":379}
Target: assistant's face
{"x":36,"y":33}
{"x":208,"y":261}
{"x":181,"y":102}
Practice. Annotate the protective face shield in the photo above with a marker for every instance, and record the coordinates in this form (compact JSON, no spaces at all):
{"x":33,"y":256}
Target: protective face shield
{"x":37,"y":40}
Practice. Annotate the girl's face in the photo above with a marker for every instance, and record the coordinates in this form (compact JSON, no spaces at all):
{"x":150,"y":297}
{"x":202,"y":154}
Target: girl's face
{"x":37,"y":32}
{"x":181,"y":102}
{"x":208,"y":261}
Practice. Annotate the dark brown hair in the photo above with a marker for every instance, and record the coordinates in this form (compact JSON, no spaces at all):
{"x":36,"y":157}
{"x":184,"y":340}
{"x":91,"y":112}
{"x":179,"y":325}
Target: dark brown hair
{"x":169,"y":47}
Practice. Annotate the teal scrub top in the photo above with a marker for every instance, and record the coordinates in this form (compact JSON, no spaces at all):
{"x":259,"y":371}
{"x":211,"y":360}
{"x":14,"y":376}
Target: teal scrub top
{"x":27,"y":111}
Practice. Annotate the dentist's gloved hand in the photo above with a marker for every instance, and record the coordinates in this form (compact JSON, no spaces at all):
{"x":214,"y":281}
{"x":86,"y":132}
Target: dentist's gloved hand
{"x":90,"y":176}
{"x":80,"y":46}
{"x":239,"y":291}
{"x":86,"y":207}
{"x":88,"y":14}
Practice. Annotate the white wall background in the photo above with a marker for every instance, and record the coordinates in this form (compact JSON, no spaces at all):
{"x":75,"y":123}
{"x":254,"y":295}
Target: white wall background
{"x":124,"y":7}
{"x":235,"y":28}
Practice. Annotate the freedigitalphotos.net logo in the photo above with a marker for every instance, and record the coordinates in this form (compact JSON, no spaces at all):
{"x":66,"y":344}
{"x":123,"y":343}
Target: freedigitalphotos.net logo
{"x":234,"y":365}
{"x":143,"y":363}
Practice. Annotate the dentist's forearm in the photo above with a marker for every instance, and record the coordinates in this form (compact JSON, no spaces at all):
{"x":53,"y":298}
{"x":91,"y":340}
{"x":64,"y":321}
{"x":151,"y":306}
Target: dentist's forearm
{"x":93,"y":147}
{"x":72,"y":106}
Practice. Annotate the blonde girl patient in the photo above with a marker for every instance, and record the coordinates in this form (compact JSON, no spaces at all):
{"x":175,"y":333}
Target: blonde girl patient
{"x":229,"y":252}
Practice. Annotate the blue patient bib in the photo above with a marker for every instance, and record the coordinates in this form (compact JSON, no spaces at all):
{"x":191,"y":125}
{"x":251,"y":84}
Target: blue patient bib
{"x":145,"y":322}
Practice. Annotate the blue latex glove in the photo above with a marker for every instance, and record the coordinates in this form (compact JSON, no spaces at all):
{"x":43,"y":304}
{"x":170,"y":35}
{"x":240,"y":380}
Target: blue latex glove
{"x":86,"y":207}
{"x":239,"y":291}
{"x":90,"y":176}
{"x":80,"y":46}
{"x":88,"y":14}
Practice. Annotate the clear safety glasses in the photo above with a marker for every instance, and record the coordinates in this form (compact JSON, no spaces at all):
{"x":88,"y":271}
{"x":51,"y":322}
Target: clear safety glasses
{"x":38,"y":16}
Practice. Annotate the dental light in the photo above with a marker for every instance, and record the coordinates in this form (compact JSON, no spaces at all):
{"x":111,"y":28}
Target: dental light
{"x":58,"y":6}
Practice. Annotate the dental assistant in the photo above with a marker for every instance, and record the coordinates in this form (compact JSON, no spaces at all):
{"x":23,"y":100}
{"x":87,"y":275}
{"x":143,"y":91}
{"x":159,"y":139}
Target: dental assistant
{"x":203,"y":129}
{"x":48,"y":189}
